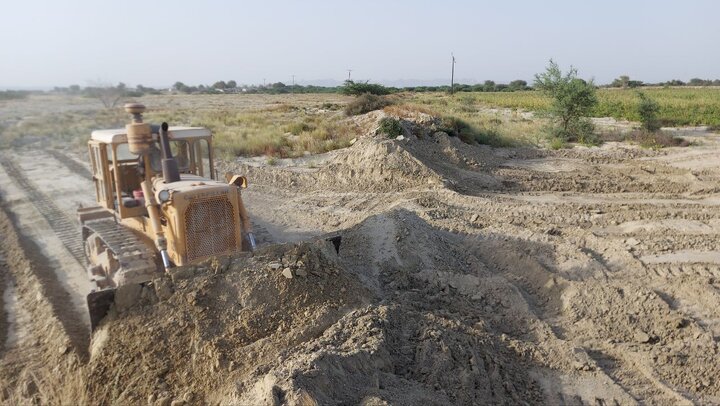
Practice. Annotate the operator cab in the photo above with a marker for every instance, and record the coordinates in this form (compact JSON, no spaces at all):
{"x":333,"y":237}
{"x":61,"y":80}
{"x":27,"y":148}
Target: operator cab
{"x":111,"y":159}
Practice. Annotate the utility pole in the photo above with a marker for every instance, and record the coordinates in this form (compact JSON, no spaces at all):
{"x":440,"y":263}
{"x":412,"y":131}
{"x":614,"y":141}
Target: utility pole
{"x":263,"y":82}
{"x":349,"y":70}
{"x":452,"y":75}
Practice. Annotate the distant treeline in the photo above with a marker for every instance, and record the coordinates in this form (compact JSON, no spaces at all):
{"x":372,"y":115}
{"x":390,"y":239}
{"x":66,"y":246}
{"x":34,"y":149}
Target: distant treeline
{"x":625,"y":82}
{"x":349,"y":87}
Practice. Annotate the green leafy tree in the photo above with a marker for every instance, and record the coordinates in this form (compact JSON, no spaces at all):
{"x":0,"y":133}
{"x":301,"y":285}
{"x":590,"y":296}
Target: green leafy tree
{"x":516,"y":85}
{"x":489,"y":86}
{"x":219,"y":85}
{"x":352,"y":88}
{"x":573,"y":101}
{"x":622,"y":81}
{"x":181,"y":87}
{"x":231,"y":84}
{"x":648,"y":110}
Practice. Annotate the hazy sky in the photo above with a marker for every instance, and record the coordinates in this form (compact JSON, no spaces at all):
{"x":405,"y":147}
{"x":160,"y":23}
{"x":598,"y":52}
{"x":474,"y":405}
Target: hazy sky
{"x":156,"y":43}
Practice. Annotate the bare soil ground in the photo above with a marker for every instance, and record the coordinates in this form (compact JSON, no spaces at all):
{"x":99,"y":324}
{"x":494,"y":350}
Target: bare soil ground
{"x":466,"y":275}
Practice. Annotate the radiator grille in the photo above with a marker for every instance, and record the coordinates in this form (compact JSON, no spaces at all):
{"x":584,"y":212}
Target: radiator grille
{"x":209,"y":227}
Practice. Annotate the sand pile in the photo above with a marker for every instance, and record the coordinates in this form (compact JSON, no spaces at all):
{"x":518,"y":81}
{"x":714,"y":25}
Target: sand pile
{"x":398,"y":316}
{"x":192,"y":335}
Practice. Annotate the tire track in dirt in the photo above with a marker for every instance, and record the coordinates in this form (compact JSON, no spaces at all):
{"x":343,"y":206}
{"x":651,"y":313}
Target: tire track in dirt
{"x":70,"y":163}
{"x":641,"y":385}
{"x":39,"y":292}
{"x":65,"y":228}
{"x":5,"y":289}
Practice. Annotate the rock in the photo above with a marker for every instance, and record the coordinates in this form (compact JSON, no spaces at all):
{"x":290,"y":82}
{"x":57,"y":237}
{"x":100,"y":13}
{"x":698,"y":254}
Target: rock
{"x":177,"y":402}
{"x":274,"y":266}
{"x":301,"y":272}
{"x":400,"y":138}
{"x":353,"y":141}
{"x":163,"y":288}
{"x":642,"y":337}
{"x":474,"y":218}
{"x":632,"y":242}
{"x":151,"y":399}
{"x":126,"y":296}
{"x":287,"y":272}
{"x":63,"y":349}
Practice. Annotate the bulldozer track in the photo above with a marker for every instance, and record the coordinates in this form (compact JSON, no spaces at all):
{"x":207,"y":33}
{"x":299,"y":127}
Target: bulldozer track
{"x":65,"y":228}
{"x":47,"y":302}
{"x":70,"y":163}
{"x":127,"y":248}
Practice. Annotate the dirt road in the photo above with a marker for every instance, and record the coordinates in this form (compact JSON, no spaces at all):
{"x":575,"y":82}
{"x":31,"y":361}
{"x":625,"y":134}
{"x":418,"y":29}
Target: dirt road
{"x":588,"y":275}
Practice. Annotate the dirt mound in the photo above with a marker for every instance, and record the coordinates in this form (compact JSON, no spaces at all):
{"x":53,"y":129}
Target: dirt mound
{"x":422,"y":340}
{"x":382,"y":322}
{"x":427,"y":158}
{"x":207,"y":327}
{"x":372,"y":164}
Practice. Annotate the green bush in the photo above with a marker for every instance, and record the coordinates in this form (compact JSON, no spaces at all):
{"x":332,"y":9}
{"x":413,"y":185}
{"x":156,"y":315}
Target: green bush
{"x":390,"y":127}
{"x":648,"y":110}
{"x":366,"y":103}
{"x":356,"y":89}
{"x":557,"y":143}
{"x":573,"y":100}
{"x":473,"y":134}
{"x":456,"y":127}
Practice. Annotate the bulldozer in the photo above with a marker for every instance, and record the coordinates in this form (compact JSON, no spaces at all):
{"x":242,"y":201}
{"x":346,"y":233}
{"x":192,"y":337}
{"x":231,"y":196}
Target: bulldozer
{"x":159,"y":206}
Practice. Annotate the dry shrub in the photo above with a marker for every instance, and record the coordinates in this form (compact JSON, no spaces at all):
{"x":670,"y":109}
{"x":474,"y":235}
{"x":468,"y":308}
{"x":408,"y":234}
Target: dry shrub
{"x":366,"y":103}
{"x":657,"y":140}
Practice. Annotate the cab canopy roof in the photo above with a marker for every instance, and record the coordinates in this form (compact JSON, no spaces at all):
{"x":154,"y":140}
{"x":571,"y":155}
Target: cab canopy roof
{"x":119,"y":136}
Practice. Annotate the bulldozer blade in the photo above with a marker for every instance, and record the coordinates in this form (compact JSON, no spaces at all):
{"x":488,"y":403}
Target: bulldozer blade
{"x":99,"y":303}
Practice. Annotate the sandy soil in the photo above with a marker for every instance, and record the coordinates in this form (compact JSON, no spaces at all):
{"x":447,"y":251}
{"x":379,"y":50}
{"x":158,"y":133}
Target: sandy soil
{"x":466,"y":275}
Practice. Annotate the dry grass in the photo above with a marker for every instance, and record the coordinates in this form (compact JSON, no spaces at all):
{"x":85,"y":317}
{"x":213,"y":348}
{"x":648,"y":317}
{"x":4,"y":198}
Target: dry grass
{"x":465,"y":116}
{"x":247,"y":125}
{"x":293,"y":125}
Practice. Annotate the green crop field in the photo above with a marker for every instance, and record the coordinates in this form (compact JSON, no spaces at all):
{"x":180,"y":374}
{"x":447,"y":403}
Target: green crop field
{"x":678,"y":106}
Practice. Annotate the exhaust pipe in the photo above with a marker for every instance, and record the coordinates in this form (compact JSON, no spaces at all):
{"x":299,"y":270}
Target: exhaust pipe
{"x":170,"y":170}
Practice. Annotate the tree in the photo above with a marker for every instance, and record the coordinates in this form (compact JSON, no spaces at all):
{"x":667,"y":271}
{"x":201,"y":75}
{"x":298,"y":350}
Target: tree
{"x":573,"y":101}
{"x":219,"y":85}
{"x":352,"y":88}
{"x":180,"y":87}
{"x":489,"y":86}
{"x":647,"y":110}
{"x":622,"y":81}
{"x":231,"y":84}
{"x":108,"y":95}
{"x":517,"y":85}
